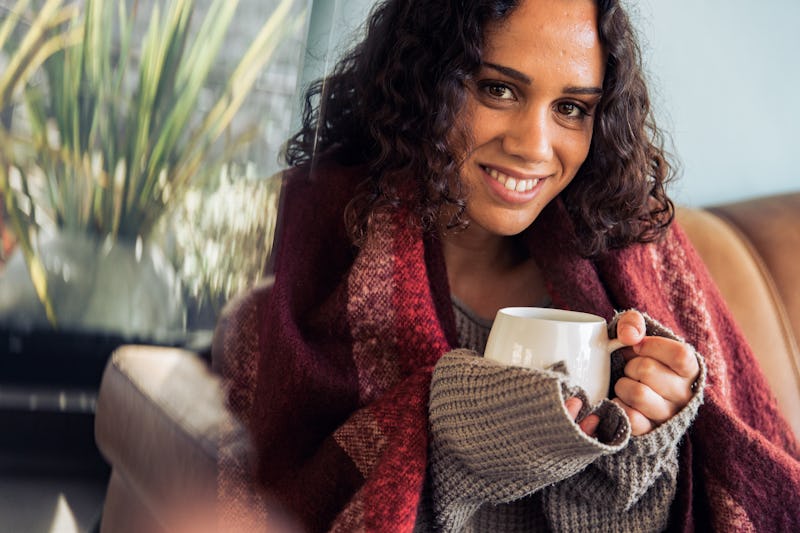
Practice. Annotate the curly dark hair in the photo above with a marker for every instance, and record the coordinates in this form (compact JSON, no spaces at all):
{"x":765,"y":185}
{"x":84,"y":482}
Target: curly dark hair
{"x":393,"y":102}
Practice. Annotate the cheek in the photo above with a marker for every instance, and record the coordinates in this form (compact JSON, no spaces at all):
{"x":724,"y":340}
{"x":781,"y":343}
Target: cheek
{"x":461,"y":136}
{"x":577,"y":149}
{"x":480,"y":123}
{"x":490,"y":128}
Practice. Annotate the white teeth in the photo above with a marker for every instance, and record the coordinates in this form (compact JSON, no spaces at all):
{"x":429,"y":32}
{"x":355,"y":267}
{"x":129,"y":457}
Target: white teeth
{"x":512,"y":184}
{"x":499,"y":176}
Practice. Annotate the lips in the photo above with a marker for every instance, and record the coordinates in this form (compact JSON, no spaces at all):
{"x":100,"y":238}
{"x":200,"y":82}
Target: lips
{"x":511,"y":183}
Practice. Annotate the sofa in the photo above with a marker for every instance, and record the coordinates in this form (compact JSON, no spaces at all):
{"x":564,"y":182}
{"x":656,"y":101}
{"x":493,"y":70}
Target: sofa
{"x":161,"y":418}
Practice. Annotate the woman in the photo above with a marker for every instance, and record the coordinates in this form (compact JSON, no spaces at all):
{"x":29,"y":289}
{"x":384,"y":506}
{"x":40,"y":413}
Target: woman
{"x":468,"y":156}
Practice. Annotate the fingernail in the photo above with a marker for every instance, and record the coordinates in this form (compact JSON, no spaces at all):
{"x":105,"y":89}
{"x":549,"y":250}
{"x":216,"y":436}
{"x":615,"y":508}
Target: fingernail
{"x":631,"y":330}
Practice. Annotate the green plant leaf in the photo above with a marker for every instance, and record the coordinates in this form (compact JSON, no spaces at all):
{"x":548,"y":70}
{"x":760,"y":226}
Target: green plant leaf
{"x":117,"y":137}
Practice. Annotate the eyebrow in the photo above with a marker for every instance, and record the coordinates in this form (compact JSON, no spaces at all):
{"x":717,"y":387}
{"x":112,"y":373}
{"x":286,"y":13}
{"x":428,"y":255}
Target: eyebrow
{"x":510,"y":72}
{"x":524,"y":78}
{"x":583,"y":90}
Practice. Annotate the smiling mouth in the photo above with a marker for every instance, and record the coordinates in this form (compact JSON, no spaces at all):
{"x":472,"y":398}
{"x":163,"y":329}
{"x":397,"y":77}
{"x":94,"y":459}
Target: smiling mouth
{"x":510,"y":183}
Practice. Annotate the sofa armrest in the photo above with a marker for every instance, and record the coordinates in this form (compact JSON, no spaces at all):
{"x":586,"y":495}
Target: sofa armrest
{"x":750,"y":249}
{"x":161,"y":422}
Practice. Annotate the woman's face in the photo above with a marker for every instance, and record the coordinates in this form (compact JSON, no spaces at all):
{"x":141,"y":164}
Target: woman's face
{"x":530,"y":111}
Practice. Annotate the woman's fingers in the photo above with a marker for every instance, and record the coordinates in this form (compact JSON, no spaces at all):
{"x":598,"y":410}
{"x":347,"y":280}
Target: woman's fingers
{"x":661,"y":379}
{"x":658,"y":381}
{"x":640,"y":424}
{"x":630,"y":328}
{"x":645,"y":400}
{"x":676,"y":355}
{"x":589,"y":424}
{"x":659,"y":373}
{"x":573,"y":406}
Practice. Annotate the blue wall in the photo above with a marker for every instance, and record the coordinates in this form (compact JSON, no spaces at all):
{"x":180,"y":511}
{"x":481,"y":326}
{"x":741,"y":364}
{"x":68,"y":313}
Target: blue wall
{"x":725,"y":77}
{"x":726,"y":81}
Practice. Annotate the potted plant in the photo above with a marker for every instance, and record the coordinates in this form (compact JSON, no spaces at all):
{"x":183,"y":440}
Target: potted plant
{"x":106,"y":144}
{"x":24,"y":46}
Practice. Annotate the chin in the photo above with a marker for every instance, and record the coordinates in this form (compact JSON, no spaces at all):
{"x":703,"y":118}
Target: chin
{"x":506,"y":225}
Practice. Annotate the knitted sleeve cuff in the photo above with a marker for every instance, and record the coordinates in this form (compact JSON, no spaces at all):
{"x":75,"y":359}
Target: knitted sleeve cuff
{"x":621,"y":479}
{"x":499,"y":433}
{"x":628,"y":491}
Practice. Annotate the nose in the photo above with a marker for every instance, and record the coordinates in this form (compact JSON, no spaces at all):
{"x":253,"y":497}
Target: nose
{"x":529,"y":135}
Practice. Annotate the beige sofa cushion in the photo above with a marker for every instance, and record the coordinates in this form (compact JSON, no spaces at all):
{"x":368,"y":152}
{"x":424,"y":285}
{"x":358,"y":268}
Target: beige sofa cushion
{"x":747,"y":282}
{"x":161,"y":421}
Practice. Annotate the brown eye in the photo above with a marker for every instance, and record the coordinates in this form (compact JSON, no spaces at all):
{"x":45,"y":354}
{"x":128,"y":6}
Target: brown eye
{"x":568,"y":109}
{"x":498,"y":91}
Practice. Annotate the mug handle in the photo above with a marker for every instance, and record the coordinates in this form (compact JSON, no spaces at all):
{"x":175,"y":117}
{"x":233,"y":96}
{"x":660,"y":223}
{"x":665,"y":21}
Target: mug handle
{"x":614,"y":345}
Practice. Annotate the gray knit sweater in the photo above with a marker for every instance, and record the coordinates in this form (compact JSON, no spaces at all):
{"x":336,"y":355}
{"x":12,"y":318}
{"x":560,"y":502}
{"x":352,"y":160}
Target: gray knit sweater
{"x":505,"y":456}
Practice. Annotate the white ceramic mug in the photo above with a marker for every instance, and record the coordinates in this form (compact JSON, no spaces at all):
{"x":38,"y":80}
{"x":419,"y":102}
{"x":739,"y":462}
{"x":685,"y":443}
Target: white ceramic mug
{"x":541,"y":338}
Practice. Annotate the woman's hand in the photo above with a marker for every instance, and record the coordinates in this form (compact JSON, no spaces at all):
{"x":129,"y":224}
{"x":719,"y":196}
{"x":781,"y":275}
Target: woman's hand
{"x":659,"y":374}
